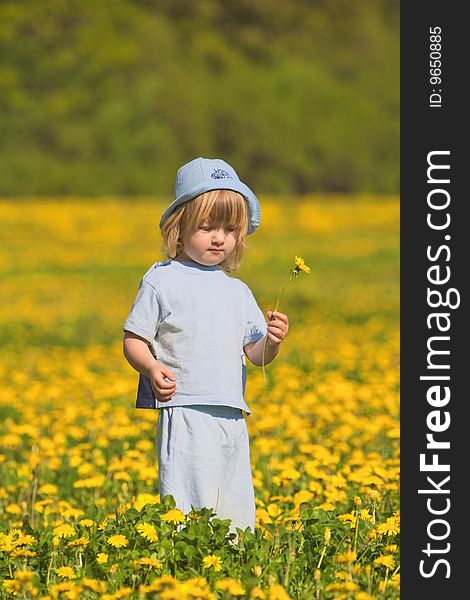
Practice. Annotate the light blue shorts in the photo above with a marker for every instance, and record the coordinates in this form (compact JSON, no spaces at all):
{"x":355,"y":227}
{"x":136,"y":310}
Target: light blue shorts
{"x":204,"y":459}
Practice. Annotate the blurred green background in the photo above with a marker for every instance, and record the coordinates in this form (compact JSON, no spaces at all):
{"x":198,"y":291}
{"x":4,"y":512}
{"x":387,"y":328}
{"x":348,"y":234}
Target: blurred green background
{"x":105,"y":97}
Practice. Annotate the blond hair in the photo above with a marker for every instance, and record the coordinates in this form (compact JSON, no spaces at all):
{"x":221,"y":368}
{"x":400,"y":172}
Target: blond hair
{"x":219,"y":208}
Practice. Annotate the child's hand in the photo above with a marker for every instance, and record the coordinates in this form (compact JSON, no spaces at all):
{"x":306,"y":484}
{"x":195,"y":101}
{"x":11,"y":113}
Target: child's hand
{"x":278,"y":326}
{"x":163,"y":382}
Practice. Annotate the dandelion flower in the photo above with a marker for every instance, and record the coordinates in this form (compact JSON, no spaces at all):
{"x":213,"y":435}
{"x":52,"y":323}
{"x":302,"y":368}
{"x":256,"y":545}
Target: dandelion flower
{"x":118,"y":540}
{"x":101,"y":558}
{"x":174,"y":515}
{"x":147,"y":531}
{"x":299,"y":265}
{"x":386,"y":561}
{"x":232,"y":586}
{"x":349,"y":556}
{"x":64,"y":530}
{"x":66,"y":572}
{"x":212,"y":561}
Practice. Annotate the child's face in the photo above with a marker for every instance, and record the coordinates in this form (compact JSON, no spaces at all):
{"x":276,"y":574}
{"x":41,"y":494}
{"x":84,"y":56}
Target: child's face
{"x":208,"y":245}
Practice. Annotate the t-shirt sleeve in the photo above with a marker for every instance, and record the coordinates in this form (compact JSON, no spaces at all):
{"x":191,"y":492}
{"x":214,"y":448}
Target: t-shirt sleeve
{"x":145,"y":315}
{"x":255,"y":327}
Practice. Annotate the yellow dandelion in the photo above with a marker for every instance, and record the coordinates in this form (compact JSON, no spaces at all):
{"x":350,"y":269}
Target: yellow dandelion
{"x":101,"y":558}
{"x":345,"y":586}
{"x":48,"y":489}
{"x":147,"y":531}
{"x":64,"y":530}
{"x":299,"y":265}
{"x":257,"y":570}
{"x":94,"y":584}
{"x":66,"y":572}
{"x":387,"y":561}
{"x":118,"y":540}
{"x":147,"y":561}
{"x":212,"y":560}
{"x":143,"y":499}
{"x":277,"y":592}
{"x":346,"y":557}
{"x":81,"y":541}
{"x":390,"y":527}
{"x":232,"y":586}
{"x":363,"y":596}
{"x":22,"y":553}
{"x":174,"y":515}
{"x":395,"y":581}
{"x":257,"y":593}
{"x":88,"y":523}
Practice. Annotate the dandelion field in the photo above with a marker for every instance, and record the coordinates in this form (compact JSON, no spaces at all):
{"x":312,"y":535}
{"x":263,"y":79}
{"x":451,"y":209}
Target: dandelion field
{"x":80,"y":513}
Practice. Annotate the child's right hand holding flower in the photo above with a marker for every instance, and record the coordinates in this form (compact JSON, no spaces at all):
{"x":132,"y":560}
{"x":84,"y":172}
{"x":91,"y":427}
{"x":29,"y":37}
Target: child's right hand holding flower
{"x":163,"y":382}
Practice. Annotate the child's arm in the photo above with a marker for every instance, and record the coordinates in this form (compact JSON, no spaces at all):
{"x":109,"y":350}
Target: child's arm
{"x":278,"y":326}
{"x":138,"y":355}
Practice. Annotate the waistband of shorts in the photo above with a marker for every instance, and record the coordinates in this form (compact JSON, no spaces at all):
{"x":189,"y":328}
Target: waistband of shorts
{"x":216,"y":409}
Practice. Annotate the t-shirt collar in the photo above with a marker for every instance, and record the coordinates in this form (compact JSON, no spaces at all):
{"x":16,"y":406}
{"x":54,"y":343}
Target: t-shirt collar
{"x":193,"y":266}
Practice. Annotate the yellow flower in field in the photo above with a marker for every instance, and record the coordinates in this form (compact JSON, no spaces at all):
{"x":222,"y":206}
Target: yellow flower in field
{"x":66,"y":572}
{"x":48,"y":489}
{"x":24,"y":539}
{"x":375,"y":496}
{"x":70,"y":588}
{"x":143,"y":499}
{"x":101,"y":558}
{"x":257,"y":594}
{"x":94,"y":584}
{"x":194,"y":516}
{"x":350,"y":518}
{"x":121,"y":509}
{"x":174,"y":515}
{"x":390,"y":527}
{"x":102,"y":525}
{"x":90,"y":482}
{"x":365,"y":515}
{"x":118,"y":540}
{"x":299,"y":265}
{"x":81,"y":541}
{"x":277,"y":592}
{"x":147,"y":531}
{"x":257,"y":570}
{"x":363,"y":596}
{"x":345,"y":586}
{"x":386,"y":560}
{"x":12,"y":586}
{"x":232,"y":586}
{"x":22,"y":553}
{"x":64,"y":530}
{"x":349,"y":556}
{"x":149,"y":562}
{"x":87,"y":523}
{"x":23,"y":575}
{"x":212,"y":560}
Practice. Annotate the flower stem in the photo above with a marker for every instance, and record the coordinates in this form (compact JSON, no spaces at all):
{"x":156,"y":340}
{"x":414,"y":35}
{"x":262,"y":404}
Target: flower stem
{"x":275,"y":309}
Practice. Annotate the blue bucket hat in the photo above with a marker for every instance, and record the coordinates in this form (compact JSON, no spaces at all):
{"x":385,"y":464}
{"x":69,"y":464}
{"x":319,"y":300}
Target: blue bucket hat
{"x":204,"y":174}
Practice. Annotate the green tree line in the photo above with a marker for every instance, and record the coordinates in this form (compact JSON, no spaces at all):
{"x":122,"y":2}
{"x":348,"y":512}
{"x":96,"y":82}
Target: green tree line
{"x":112,"y":96}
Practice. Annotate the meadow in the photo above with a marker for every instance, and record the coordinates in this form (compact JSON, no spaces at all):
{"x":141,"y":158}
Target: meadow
{"x":80,"y":512}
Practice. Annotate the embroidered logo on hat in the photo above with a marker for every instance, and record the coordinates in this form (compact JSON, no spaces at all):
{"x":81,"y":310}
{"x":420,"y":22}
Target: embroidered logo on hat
{"x":220,"y":174}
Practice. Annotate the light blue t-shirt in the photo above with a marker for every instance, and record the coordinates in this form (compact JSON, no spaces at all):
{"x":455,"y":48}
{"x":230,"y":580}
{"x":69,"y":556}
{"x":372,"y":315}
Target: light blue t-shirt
{"x":198,"y":320}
